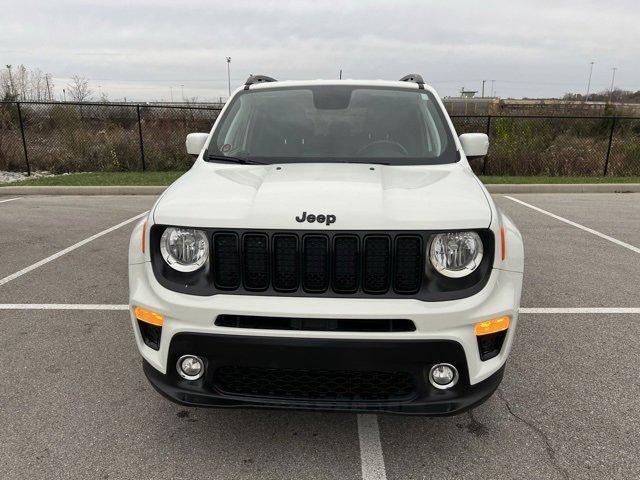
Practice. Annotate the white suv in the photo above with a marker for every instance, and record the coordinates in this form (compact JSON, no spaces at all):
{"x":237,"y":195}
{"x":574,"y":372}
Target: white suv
{"x":329,"y":249}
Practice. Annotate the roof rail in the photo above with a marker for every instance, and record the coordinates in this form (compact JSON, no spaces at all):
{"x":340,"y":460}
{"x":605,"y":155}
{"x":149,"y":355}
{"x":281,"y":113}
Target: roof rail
{"x":414,"y":77}
{"x":257,"y":79}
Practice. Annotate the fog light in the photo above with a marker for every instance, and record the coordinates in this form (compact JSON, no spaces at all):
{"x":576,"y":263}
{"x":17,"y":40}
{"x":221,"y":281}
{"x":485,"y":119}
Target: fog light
{"x":443,"y":376}
{"x":190,"y":367}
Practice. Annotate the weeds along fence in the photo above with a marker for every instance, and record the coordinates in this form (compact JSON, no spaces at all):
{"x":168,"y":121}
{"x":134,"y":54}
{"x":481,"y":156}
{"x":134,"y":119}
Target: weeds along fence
{"x":72,"y":137}
{"x":80,"y":137}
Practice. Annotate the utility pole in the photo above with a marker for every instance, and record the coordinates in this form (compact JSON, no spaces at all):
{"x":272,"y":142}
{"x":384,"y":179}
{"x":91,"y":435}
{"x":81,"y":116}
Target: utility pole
{"x":46,"y":78}
{"x":229,"y":74}
{"x":586,"y":97}
{"x":613,"y":77}
{"x":483,"y":88}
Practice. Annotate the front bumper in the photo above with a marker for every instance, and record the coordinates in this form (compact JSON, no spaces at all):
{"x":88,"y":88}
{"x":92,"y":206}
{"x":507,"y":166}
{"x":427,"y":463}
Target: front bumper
{"x":446,"y":320}
{"x":321,"y":374}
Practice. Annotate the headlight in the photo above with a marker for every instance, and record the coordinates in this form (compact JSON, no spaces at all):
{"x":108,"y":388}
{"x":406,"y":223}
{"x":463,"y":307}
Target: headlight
{"x":456,"y":254}
{"x":184,"y":249}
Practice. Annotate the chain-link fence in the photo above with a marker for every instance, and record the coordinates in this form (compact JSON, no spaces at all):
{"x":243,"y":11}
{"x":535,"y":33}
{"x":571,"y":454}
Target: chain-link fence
{"x":556,"y":146}
{"x":72,"y":137}
{"x":81,"y":137}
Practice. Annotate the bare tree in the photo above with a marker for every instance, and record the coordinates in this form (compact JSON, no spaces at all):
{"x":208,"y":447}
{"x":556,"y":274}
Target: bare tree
{"x":79,"y":89}
{"x":7,"y":92}
{"x":21,"y":83}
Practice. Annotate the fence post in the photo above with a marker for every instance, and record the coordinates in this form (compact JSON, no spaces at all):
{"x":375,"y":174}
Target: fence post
{"x":606,"y":161}
{"x":24,"y":141}
{"x":484,"y":160}
{"x":140,"y":135}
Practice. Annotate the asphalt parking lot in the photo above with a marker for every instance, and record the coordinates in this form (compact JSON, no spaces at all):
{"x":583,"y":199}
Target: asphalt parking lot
{"x":75,"y":403}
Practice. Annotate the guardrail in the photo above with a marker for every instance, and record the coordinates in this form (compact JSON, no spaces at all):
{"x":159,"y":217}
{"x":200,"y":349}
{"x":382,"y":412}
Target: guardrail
{"x":66,"y":137}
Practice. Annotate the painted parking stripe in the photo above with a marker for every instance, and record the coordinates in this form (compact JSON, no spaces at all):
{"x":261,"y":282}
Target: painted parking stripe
{"x":62,"y":306}
{"x":123,"y":306}
{"x":577,"y":225}
{"x":371,"y":458}
{"x":596,"y":310}
{"x":73,"y":247}
{"x":10,"y":199}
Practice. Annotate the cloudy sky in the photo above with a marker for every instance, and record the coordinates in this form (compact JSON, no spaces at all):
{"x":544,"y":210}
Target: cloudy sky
{"x":150,"y":49}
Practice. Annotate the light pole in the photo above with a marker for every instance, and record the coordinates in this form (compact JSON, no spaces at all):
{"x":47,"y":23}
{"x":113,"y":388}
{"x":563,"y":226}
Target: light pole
{"x":229,"y":74}
{"x":182,"y":89}
{"x":613,"y":77}
{"x":586,"y":98}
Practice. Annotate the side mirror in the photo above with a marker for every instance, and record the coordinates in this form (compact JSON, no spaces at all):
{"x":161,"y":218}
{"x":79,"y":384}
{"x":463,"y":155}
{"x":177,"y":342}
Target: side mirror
{"x":195,"y":142}
{"x":474,"y":145}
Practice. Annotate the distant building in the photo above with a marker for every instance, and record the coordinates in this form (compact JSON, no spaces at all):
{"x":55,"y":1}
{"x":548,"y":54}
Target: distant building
{"x":467,"y":93}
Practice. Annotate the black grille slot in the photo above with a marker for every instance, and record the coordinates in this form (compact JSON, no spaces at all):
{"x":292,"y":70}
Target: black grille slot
{"x":256,"y":262}
{"x":377,"y":257}
{"x":491,"y":344}
{"x":226,"y":261}
{"x":315,"y":263}
{"x":316,"y":324}
{"x":151,"y":334}
{"x":408,"y":264}
{"x":285,"y":263}
{"x":319,"y":385}
{"x":346,"y":264}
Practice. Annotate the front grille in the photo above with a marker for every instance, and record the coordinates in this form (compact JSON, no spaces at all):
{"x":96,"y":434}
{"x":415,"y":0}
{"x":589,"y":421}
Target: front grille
{"x":310,"y":263}
{"x":316,"y":324}
{"x":319,"y":385}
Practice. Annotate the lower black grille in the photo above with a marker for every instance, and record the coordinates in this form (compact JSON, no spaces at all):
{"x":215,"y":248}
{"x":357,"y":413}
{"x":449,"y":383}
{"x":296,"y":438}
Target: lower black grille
{"x":315,"y":324}
{"x":150,"y":334}
{"x":491,"y":344}
{"x":327,"y":385}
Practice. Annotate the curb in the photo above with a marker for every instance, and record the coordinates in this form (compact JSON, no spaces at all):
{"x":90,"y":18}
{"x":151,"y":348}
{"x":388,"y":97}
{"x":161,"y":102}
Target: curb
{"x":94,"y":190}
{"x":563,"y":188}
{"x":493,"y":188}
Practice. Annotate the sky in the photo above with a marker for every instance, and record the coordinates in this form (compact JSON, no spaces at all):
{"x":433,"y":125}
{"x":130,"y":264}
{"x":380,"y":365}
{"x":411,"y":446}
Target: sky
{"x":158,"y":49}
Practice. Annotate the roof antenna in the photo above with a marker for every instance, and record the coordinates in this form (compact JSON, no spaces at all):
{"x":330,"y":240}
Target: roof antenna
{"x":340,"y":74}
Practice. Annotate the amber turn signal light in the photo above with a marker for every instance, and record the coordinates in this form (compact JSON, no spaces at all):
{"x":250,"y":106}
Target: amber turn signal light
{"x":492,"y":326}
{"x":148,"y":316}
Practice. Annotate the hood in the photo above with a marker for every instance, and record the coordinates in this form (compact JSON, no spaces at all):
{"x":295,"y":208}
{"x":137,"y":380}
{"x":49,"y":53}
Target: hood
{"x":356,"y":196}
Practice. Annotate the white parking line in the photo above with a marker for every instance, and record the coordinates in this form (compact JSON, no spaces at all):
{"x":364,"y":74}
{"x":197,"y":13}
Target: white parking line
{"x":62,"y":306}
{"x":371,"y":458}
{"x":122,"y":306}
{"x":10,"y":199}
{"x":577,"y":225}
{"x":44,"y":261}
{"x":596,"y":310}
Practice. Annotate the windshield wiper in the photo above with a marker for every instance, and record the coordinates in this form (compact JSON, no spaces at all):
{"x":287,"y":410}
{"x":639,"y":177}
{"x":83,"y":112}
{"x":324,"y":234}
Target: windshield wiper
{"x":243,"y":161}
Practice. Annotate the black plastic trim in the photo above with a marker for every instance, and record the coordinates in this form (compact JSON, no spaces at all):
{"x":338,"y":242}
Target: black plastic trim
{"x":412,"y":356}
{"x":315,"y":324}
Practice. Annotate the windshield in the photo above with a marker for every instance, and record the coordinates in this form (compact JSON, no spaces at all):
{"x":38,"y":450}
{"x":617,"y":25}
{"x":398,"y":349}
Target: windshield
{"x":334,"y":124}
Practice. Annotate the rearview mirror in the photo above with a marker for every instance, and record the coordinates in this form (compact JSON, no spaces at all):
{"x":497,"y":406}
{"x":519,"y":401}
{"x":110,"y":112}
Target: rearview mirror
{"x":474,"y":145}
{"x":195,"y":142}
